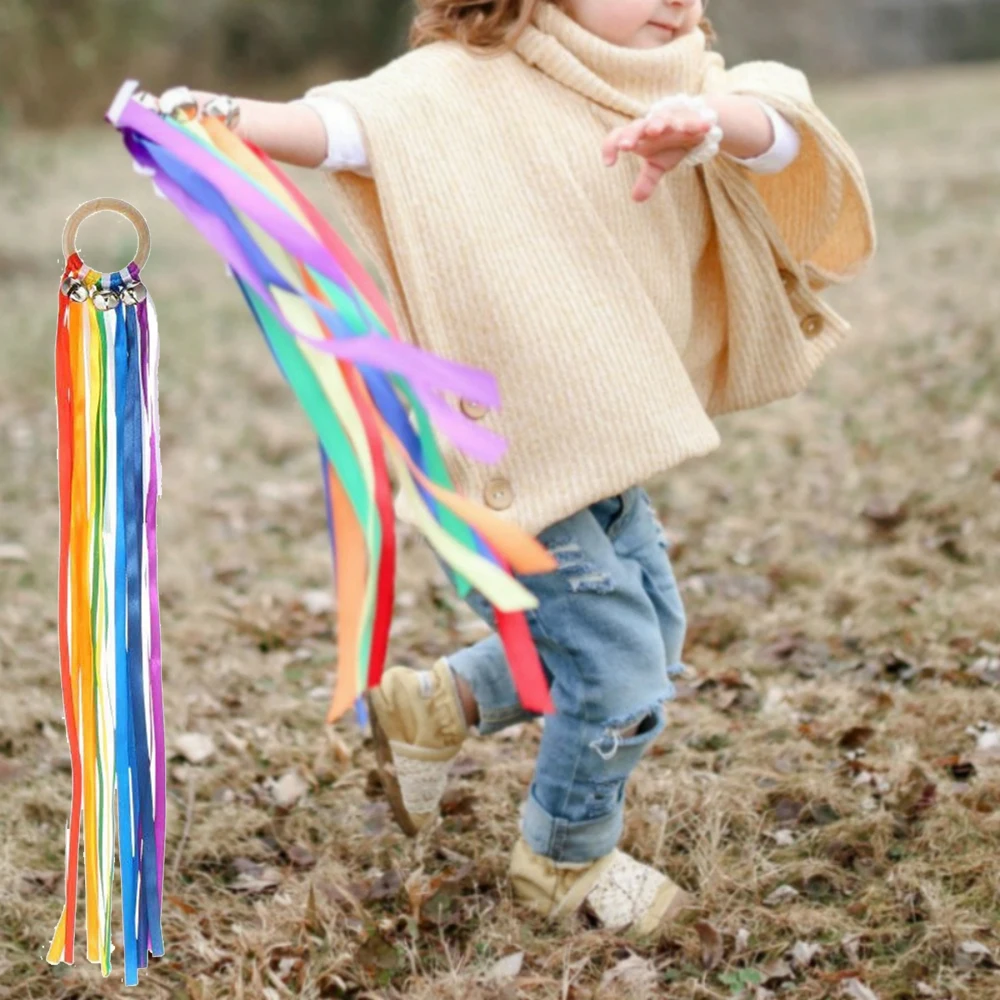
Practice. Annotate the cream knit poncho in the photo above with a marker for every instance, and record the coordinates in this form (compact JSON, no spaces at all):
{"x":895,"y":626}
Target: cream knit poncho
{"x":616,"y":330}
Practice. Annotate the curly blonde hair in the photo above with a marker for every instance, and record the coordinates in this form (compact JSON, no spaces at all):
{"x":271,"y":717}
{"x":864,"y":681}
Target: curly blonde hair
{"x":483,"y":25}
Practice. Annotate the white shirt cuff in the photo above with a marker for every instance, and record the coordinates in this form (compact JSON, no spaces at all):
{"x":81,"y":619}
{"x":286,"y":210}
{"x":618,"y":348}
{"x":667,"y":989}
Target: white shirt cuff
{"x":784,"y":150}
{"x":345,"y":143}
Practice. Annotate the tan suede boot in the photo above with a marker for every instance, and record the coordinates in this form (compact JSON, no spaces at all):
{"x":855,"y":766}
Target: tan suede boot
{"x":619,"y":891}
{"x":418,"y":725}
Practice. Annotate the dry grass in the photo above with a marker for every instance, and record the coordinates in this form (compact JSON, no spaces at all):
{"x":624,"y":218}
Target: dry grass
{"x":815,"y":628}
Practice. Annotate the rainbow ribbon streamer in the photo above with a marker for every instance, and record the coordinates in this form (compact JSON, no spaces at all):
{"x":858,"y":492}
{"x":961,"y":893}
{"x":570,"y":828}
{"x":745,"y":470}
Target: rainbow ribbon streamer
{"x":374,"y":400}
{"x":107,"y":349}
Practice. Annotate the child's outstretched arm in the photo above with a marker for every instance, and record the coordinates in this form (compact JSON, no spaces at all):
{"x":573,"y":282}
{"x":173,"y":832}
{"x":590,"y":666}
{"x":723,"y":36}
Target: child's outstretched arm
{"x":296,"y":132}
{"x":751,"y":133}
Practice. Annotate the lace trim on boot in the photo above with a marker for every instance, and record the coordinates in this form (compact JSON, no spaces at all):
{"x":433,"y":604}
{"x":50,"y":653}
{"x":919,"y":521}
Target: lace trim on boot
{"x":421,"y":782}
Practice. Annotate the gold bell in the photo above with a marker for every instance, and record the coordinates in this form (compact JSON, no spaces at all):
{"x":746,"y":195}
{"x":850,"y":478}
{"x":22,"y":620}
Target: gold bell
{"x":133,"y":294}
{"x":179,"y":103}
{"x":74,"y":289}
{"x":225,"y":108}
{"x":149,"y":101}
{"x":105,"y":299}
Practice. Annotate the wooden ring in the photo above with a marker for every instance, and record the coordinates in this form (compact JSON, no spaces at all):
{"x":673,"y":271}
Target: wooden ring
{"x":89,"y":208}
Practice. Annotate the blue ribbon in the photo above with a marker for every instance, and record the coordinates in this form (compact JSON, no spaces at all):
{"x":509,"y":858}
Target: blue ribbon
{"x":147,"y":926}
{"x":124,"y":751}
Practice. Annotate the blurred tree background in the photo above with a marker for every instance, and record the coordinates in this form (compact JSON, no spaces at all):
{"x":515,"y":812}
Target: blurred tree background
{"x":60,"y":60}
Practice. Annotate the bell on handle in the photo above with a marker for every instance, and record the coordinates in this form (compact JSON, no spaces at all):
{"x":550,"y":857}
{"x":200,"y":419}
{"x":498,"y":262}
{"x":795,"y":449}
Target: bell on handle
{"x":105,"y":299}
{"x":179,"y":103}
{"x":226,"y":109}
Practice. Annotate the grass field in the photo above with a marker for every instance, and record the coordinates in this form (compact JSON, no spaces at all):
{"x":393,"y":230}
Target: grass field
{"x":828,"y":786}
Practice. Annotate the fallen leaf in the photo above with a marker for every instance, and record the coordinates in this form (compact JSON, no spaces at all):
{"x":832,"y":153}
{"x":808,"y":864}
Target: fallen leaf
{"x":442,"y":908}
{"x":987,"y":737}
{"x":974,"y":954}
{"x":505,"y":969}
{"x":386,"y":886}
{"x":897,"y":666}
{"x":783,"y":648}
{"x":849,"y":854}
{"x":855,"y":737}
{"x":288,"y":789}
{"x":856,"y":990}
{"x":787,"y":811}
{"x":884,"y":702}
{"x":822,"y":813}
{"x":712,"y":947}
{"x":960,"y":770}
{"x":458,"y":802}
{"x":254,"y":878}
{"x":318,"y":602}
{"x":635,"y":975}
{"x":777,"y":972}
{"x":195,"y":748}
{"x":301,"y":857}
{"x":804,"y":953}
{"x":379,"y":955}
{"x":783,"y":894}
{"x":851,"y":943}
{"x":885,"y":514}
{"x":986,"y":670}
{"x":341,"y":897}
{"x":820,"y":888}
{"x":916,"y":794}
{"x":235,"y":742}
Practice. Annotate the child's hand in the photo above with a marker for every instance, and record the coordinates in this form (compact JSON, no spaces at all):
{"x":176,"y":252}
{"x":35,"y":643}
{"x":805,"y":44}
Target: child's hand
{"x":662,"y":140}
{"x":187,"y":103}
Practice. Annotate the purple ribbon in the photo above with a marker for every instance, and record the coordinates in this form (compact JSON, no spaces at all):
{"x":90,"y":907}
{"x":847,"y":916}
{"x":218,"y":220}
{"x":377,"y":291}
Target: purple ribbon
{"x":149,"y":393}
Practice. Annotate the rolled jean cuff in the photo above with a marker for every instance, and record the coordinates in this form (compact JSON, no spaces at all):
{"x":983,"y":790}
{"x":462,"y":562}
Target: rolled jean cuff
{"x":566,"y":842}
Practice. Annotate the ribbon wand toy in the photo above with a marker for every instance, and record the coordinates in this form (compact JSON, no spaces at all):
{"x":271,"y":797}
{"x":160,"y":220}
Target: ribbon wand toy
{"x":107,"y":348}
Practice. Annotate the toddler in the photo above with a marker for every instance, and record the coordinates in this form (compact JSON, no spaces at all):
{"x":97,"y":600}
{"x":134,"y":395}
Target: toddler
{"x":580,"y":198}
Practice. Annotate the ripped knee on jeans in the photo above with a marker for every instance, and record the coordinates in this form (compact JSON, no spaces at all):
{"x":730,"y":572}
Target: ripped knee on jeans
{"x":582,"y":575}
{"x":634,"y":730}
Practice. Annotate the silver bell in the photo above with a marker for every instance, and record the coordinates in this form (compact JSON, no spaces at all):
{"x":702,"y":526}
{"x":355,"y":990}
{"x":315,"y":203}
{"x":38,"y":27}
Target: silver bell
{"x":105,"y":299}
{"x":74,"y":289}
{"x":179,"y":103}
{"x":133,"y":294}
{"x":225,"y":108}
{"x":149,"y":101}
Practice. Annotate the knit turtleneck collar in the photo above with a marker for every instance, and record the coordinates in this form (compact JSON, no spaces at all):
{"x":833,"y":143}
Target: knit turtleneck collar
{"x":625,"y":80}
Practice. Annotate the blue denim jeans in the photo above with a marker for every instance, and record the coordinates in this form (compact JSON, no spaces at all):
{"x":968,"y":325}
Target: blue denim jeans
{"x":609,"y":629}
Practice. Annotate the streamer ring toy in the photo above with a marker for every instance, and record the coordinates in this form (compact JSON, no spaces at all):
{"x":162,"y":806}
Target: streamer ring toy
{"x":84,"y":282}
